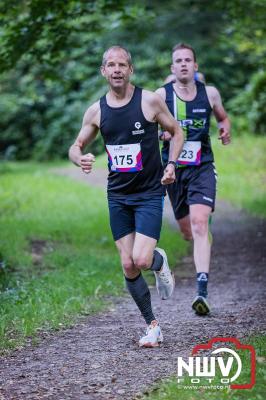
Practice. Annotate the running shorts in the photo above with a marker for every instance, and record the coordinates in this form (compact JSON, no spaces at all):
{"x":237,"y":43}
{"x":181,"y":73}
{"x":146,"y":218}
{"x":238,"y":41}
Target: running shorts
{"x":142,"y":215}
{"x":193,"y":185}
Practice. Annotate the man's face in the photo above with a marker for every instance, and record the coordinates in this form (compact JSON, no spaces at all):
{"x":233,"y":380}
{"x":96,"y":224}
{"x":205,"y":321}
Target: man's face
{"x":117,"y":70}
{"x":184,"y":65}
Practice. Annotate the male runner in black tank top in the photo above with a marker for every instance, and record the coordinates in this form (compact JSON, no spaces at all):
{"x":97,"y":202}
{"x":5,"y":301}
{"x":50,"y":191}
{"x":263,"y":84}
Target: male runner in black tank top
{"x":127,"y":118}
{"x":192,"y":195}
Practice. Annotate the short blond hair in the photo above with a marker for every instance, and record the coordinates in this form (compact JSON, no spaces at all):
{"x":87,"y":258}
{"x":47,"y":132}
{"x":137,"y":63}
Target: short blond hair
{"x":117,"y":47}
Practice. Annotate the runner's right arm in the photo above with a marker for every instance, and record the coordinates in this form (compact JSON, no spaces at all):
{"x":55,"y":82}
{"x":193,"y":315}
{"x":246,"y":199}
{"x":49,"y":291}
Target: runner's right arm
{"x":87,"y":134}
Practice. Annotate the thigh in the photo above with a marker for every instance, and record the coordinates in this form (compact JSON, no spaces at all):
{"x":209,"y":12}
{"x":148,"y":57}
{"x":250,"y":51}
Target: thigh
{"x":144,"y":247}
{"x":148,"y":217}
{"x":202,"y":186}
{"x":122,"y":220}
{"x":125,"y":245}
{"x":199,"y":212}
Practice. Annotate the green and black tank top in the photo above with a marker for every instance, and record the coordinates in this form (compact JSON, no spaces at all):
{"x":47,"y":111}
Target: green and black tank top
{"x":194,"y":118}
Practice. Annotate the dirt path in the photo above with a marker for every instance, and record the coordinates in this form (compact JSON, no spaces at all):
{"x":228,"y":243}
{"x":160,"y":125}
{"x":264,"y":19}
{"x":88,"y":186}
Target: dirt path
{"x":99,"y":358}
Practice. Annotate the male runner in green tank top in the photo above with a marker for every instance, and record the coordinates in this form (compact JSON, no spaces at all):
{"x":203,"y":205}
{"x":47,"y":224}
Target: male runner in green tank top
{"x":193,"y":193}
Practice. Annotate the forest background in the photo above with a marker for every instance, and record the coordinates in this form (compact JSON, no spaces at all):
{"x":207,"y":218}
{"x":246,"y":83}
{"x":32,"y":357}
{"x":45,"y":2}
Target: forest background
{"x":50,"y":54}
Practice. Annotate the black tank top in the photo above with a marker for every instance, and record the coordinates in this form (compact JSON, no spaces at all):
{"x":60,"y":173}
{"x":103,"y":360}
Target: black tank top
{"x":194,"y":118}
{"x":134,"y":160}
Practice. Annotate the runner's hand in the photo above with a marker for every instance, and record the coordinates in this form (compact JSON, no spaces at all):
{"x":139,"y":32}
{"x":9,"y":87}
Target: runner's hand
{"x":86,"y":162}
{"x":169,"y":175}
{"x":165,"y":136}
{"x":224,"y":136}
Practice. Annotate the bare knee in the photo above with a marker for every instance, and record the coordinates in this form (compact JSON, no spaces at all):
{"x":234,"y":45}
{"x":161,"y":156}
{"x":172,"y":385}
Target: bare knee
{"x":129,"y":268}
{"x":199,"y":226}
{"x":142,"y":262}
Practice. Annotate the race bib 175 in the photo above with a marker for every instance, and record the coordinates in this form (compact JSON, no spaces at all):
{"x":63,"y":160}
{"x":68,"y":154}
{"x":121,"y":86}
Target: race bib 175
{"x":125,"y":157}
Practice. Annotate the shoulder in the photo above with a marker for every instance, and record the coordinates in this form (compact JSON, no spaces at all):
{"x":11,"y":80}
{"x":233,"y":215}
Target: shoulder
{"x":161,"y":92}
{"x":212,"y":92}
{"x":213,"y":95}
{"x":152,"y":98}
{"x":92,"y":114}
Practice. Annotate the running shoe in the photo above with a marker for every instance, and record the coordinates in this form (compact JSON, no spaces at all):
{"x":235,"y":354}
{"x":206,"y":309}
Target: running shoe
{"x":165,"y":281}
{"x":153,"y":336}
{"x":200,"y":305}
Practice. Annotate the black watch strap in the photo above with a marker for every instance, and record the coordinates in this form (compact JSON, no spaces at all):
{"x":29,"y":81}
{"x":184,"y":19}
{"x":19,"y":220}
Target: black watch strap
{"x":172,"y":162}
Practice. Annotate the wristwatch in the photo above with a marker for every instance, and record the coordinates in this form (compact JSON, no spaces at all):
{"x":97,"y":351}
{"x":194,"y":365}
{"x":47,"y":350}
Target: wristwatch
{"x":172,"y":162}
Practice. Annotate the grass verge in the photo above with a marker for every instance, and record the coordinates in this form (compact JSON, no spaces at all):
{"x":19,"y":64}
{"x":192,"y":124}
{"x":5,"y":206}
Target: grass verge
{"x":241,"y":170}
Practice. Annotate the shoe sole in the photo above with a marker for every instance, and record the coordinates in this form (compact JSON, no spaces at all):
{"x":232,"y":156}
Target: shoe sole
{"x":150,"y":345}
{"x":165,"y":298}
{"x":201,"y":307}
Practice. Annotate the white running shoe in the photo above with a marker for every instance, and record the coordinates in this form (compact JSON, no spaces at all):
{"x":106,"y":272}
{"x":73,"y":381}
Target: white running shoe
{"x":153,"y":336}
{"x":165,"y":281}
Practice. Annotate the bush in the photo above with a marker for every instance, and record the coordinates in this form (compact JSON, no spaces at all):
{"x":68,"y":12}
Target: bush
{"x":249,"y":106}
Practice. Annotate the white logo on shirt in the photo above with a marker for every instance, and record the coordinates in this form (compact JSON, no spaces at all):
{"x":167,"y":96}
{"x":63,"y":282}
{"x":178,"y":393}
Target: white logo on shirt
{"x":138,"y":131}
{"x":199,"y":110}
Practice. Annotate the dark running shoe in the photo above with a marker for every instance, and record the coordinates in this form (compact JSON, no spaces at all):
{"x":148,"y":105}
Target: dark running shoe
{"x":200,"y":305}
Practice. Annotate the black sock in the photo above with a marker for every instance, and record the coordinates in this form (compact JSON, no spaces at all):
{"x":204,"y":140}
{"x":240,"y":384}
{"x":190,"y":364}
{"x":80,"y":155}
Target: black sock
{"x":157,"y":261}
{"x":139,"y":290}
{"x":202,"y":281}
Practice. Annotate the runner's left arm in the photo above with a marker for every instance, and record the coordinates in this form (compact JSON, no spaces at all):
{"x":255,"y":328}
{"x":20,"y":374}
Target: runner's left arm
{"x":169,"y":124}
{"x":164,"y":135}
{"x":220,"y":114}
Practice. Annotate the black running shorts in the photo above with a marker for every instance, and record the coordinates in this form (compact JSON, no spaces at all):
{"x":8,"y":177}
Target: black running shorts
{"x":143,"y":215}
{"x":193,"y":185}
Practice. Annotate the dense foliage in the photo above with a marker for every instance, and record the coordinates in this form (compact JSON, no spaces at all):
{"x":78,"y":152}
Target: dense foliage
{"x":50,"y":53}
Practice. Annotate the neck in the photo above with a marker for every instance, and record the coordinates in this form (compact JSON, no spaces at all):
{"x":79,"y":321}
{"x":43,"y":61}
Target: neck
{"x":121,"y":93}
{"x":186,"y":87}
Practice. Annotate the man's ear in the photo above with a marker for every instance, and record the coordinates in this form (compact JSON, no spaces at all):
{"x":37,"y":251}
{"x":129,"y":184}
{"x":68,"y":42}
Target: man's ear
{"x":196,"y":67}
{"x":102,"y":70}
{"x":172,"y":69}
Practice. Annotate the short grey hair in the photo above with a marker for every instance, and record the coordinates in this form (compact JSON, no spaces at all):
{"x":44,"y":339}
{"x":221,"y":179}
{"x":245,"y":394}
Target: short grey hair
{"x":129,"y":58}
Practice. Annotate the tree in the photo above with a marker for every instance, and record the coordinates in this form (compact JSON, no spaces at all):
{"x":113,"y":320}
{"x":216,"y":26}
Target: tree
{"x":50,"y":53}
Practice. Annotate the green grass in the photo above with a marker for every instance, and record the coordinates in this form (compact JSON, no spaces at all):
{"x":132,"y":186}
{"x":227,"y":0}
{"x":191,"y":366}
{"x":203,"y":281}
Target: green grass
{"x":58,"y":258}
{"x":241,"y":170}
{"x":171,"y":390}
